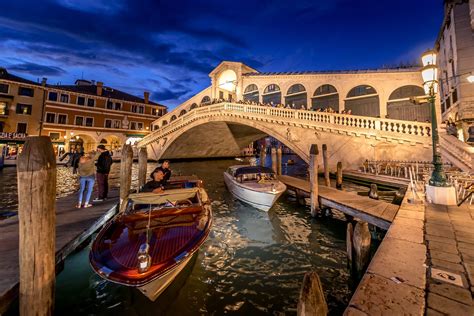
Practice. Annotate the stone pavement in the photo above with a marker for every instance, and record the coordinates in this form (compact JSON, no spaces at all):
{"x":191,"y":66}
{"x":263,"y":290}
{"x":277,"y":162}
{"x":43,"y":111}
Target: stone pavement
{"x":425,"y":264}
{"x":449,"y":235}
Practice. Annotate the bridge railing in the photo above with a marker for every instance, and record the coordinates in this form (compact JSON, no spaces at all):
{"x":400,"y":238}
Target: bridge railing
{"x":411,"y":128}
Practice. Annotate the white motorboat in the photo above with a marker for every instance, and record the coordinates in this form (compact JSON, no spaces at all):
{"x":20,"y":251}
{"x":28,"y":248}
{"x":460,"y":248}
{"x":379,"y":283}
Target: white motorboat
{"x":254,"y":185}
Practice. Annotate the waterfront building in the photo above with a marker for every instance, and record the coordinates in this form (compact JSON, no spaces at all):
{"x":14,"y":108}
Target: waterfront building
{"x":21,"y":103}
{"x":87,"y":114}
{"x":455,"y":46}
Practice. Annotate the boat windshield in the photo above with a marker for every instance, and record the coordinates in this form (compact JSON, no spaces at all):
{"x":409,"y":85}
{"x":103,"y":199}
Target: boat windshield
{"x":143,"y":202}
{"x":256,"y":177}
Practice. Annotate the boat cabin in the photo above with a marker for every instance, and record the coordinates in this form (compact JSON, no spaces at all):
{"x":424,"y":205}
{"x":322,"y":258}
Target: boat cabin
{"x":251,"y":173}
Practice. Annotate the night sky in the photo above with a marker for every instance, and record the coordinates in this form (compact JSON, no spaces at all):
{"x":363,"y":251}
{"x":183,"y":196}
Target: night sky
{"x":169,"y":47}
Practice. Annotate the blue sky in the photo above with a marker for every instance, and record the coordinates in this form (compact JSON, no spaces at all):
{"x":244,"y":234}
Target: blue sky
{"x":169,"y":47}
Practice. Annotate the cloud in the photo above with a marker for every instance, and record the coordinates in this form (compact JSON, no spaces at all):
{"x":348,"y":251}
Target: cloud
{"x":37,"y":70}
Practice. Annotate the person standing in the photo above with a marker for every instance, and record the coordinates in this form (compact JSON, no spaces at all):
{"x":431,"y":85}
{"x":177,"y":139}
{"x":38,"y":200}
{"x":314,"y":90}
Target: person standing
{"x":103,"y":169}
{"x":86,"y":179}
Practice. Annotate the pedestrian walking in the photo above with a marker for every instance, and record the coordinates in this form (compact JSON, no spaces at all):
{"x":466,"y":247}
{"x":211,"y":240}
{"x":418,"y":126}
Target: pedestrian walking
{"x":86,"y":179}
{"x":104,"y":162}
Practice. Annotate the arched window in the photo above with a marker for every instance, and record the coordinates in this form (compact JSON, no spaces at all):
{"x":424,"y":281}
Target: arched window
{"x":182,"y":113}
{"x":272,"y":94}
{"x":296,"y":96}
{"x":173,"y":118}
{"x":206,"y":100}
{"x":164,"y":123}
{"x":363,"y":100}
{"x":251,"y":93}
{"x":405,"y":103}
{"x":193,"y":106}
{"x":325,"y":97}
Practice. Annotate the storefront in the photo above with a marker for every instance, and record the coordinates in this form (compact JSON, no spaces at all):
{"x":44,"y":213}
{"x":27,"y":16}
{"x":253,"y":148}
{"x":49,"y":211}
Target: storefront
{"x":11,"y":144}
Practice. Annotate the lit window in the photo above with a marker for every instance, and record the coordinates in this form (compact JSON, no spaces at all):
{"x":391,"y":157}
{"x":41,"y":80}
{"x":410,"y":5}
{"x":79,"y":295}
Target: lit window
{"x":23,"y":109}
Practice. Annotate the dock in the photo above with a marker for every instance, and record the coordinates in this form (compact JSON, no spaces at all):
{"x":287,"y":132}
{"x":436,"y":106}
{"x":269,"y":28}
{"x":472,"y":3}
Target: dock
{"x":382,"y":181}
{"x":73,"y":227}
{"x":375,"y":212}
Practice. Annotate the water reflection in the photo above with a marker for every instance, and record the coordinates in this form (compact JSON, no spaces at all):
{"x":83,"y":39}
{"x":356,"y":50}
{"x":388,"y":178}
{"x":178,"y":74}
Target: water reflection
{"x":252,"y":264}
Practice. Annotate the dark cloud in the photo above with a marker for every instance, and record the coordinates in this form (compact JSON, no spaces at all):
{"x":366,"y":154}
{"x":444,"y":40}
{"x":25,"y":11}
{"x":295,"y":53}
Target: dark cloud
{"x":37,"y":70}
{"x":177,"y":43}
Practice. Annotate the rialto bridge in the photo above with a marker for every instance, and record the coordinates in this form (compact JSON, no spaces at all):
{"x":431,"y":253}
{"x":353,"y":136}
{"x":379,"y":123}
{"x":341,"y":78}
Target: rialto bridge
{"x":198,"y":129}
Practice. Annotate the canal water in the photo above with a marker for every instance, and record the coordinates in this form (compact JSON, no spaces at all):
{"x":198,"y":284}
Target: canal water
{"x":253,"y":263}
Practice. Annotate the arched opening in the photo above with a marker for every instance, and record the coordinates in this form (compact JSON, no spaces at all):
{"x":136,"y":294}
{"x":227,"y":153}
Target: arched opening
{"x":173,"y":118}
{"x":326,"y":96}
{"x":226,"y":85}
{"x":82,"y":143}
{"x":251,"y":93}
{"x":272,"y":94}
{"x":206,"y":100}
{"x":165,"y":122}
{"x":193,"y":106}
{"x":296,"y":97}
{"x":112,"y":142}
{"x":363,"y":100}
{"x":408,"y":103}
{"x":182,"y":113}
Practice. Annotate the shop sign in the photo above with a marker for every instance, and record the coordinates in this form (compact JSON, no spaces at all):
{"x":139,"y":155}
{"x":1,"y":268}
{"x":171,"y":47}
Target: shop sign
{"x":4,"y":135}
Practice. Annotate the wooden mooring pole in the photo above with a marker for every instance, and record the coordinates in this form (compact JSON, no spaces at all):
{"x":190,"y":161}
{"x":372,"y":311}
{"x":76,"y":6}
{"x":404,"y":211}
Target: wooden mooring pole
{"x":142,"y":164}
{"x":349,"y":244}
{"x":125,"y":172}
{"x":279,"y":160}
{"x":361,"y":243}
{"x":274,"y":160}
{"x":313,"y":175}
{"x":263,"y":156}
{"x":339,"y":176}
{"x":37,"y":226}
{"x":327,"y":181}
{"x":311,"y":301}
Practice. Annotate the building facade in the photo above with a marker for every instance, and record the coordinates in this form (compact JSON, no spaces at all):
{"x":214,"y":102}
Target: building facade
{"x":455,"y":46}
{"x":79,"y":116}
{"x":386,"y":93}
{"x":21,"y":104}
{"x":87,"y":114}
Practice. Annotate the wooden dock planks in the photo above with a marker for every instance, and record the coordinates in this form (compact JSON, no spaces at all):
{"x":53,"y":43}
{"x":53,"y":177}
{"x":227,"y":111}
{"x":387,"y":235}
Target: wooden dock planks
{"x":376,"y":212}
{"x":73,"y":226}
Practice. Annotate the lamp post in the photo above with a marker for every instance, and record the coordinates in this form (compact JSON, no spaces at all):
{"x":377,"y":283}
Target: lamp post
{"x":430,"y":85}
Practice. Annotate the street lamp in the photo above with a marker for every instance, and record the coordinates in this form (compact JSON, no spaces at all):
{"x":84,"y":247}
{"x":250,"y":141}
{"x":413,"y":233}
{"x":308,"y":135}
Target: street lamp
{"x":430,"y":84}
{"x":438,"y":191}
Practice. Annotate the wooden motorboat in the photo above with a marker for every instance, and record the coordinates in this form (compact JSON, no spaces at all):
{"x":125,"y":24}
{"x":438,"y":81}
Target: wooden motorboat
{"x":254,"y":185}
{"x":153,"y":238}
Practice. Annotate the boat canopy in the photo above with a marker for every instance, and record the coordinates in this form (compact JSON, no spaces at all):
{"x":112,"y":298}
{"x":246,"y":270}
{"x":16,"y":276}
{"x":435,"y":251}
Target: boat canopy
{"x":252,"y":169}
{"x":161,"y":198}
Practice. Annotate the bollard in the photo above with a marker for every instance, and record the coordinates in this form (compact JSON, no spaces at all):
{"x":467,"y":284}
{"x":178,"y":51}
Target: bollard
{"x":373,"y":194}
{"x":142,"y":164}
{"x":339,"y":176}
{"x":313,"y":175}
{"x":263,"y":156}
{"x":279,"y":160}
{"x":311,"y":301}
{"x":349,"y":244}
{"x":274,"y":159}
{"x":327,"y":181}
{"x":361,"y":241}
{"x":125,"y":172}
{"x":37,"y":226}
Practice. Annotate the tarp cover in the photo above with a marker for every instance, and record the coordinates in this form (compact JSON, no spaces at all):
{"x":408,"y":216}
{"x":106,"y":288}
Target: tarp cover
{"x":252,"y":169}
{"x":161,"y":198}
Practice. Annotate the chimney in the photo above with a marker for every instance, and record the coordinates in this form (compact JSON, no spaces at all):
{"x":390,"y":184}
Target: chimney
{"x":100,"y":85}
{"x":43,"y":81}
{"x":146,"y":95}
